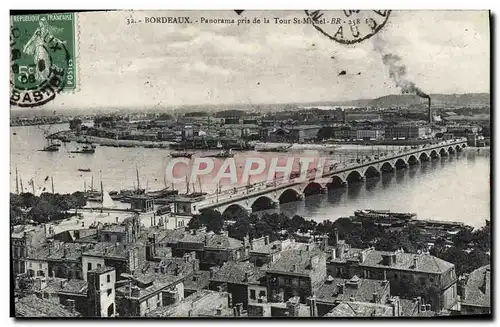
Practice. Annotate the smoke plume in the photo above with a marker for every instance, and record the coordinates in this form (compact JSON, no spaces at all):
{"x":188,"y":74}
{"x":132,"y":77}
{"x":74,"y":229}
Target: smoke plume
{"x":397,"y":71}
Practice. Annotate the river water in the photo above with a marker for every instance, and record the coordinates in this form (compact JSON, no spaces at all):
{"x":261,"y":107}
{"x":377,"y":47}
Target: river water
{"x":454,"y":188}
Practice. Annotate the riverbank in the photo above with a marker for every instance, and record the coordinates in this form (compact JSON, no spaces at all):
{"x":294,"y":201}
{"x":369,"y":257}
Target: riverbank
{"x":70,"y":136}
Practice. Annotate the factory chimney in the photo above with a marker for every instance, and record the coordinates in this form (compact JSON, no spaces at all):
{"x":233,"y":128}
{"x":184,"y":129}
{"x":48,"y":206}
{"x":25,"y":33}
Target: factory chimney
{"x":429,"y":110}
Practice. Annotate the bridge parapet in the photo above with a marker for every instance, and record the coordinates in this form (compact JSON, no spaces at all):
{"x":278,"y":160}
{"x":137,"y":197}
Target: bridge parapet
{"x":264,"y":187}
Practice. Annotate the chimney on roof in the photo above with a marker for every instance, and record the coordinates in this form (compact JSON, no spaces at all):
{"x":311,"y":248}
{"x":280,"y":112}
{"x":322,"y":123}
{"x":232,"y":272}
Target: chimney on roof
{"x":375,"y":297}
{"x":313,"y":310}
{"x":415,"y":262}
{"x":70,"y":303}
{"x":219,"y":310}
{"x":65,"y":252}
{"x":245,"y":279}
{"x":419,"y":301}
{"x":294,"y":268}
{"x":428,"y":307}
{"x":206,"y":239}
{"x":266,"y":240}
{"x":336,"y":236}
{"x":63,"y":283}
{"x":239,"y":308}
{"x":340,"y":288}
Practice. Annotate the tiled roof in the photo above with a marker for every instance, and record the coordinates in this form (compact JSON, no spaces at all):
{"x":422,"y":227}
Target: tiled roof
{"x":295,"y":261}
{"x":33,"y":306}
{"x":159,"y":282}
{"x":111,"y":250}
{"x":201,"y":303}
{"x":67,"y":251}
{"x":61,"y":285}
{"x":234,"y":272}
{"x":477,"y":289}
{"x":360,"y":309}
{"x":210,"y":240}
{"x":404,"y":261}
{"x":356,"y":288}
{"x":197,"y":281}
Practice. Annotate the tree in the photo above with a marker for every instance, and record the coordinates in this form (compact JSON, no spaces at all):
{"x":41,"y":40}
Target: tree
{"x":212,"y":220}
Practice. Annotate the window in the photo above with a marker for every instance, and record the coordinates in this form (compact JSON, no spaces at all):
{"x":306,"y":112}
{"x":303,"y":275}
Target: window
{"x":46,"y":295}
{"x":30,"y":265}
{"x":108,"y":278}
{"x":89,"y":266}
{"x":262,"y":293}
{"x":252,"y":294}
{"x":432,"y":280}
{"x":110,"y":291}
{"x":422,"y":280}
{"x":40,"y":273}
{"x":40,"y":266}
{"x":98,"y":265}
{"x":396,"y":276}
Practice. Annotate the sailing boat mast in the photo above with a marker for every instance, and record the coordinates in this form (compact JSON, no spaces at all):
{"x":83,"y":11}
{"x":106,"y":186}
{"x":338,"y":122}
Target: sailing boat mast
{"x":92,"y":184}
{"x":102,"y":197}
{"x":21,"y":182}
{"x":52,"y":181}
{"x":199,"y":183}
{"x":33,"y":186}
{"x":17,"y":183}
{"x":84,"y":187}
{"x":138,"y":182}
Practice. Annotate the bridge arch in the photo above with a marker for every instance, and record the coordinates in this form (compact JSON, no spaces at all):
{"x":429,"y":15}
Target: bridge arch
{"x":289,"y":195}
{"x":263,"y":202}
{"x":457,"y":148}
{"x":233,"y":210}
{"x":371,"y":171}
{"x":451,"y":149}
{"x":354,"y":176}
{"x":313,"y":188}
{"x":434,"y":154}
{"x":412,"y":159}
{"x":443,"y":152}
{"x":387,"y":167}
{"x":424,"y":156}
{"x":400,"y":163}
{"x":336,"y":181}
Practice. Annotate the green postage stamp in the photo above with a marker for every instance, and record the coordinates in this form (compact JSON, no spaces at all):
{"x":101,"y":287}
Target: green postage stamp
{"x":42,"y":57}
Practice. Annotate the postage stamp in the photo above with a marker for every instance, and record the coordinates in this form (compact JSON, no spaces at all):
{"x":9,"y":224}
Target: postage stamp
{"x":351,"y":26}
{"x":42,"y":52}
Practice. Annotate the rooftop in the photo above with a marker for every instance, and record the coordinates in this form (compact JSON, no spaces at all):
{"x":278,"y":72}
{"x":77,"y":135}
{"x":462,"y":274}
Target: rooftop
{"x":339,"y":289}
{"x":151,"y":284}
{"x":210,"y":240}
{"x":237,"y":273}
{"x":111,"y":250}
{"x":33,"y":306}
{"x":296,"y":262}
{"x":197,"y":281}
{"x":404,"y":261}
{"x":477,"y":289}
{"x":67,"y":286}
{"x":200,"y":304}
{"x":360,"y":309}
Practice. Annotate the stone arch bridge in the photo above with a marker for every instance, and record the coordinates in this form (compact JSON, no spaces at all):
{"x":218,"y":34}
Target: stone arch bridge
{"x":261,"y":195}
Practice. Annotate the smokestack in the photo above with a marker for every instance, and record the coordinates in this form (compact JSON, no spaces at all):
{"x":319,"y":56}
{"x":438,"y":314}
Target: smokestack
{"x":430,"y":111}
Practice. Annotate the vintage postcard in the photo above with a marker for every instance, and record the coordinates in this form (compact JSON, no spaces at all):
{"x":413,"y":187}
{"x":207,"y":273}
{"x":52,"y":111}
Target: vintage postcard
{"x":246,"y":164}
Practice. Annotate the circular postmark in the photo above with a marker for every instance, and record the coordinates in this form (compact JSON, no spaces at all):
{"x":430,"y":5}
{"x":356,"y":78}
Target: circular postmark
{"x":348,"y":26}
{"x":39,"y":63}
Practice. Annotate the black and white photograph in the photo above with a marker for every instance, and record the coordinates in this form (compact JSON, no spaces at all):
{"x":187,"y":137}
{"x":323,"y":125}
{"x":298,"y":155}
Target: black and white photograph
{"x":246,"y":164}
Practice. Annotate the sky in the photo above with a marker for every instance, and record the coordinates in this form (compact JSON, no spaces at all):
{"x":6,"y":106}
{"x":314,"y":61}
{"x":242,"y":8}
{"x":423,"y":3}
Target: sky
{"x":168,"y":65}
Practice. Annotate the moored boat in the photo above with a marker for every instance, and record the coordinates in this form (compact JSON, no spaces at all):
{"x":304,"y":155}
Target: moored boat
{"x":181,"y":155}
